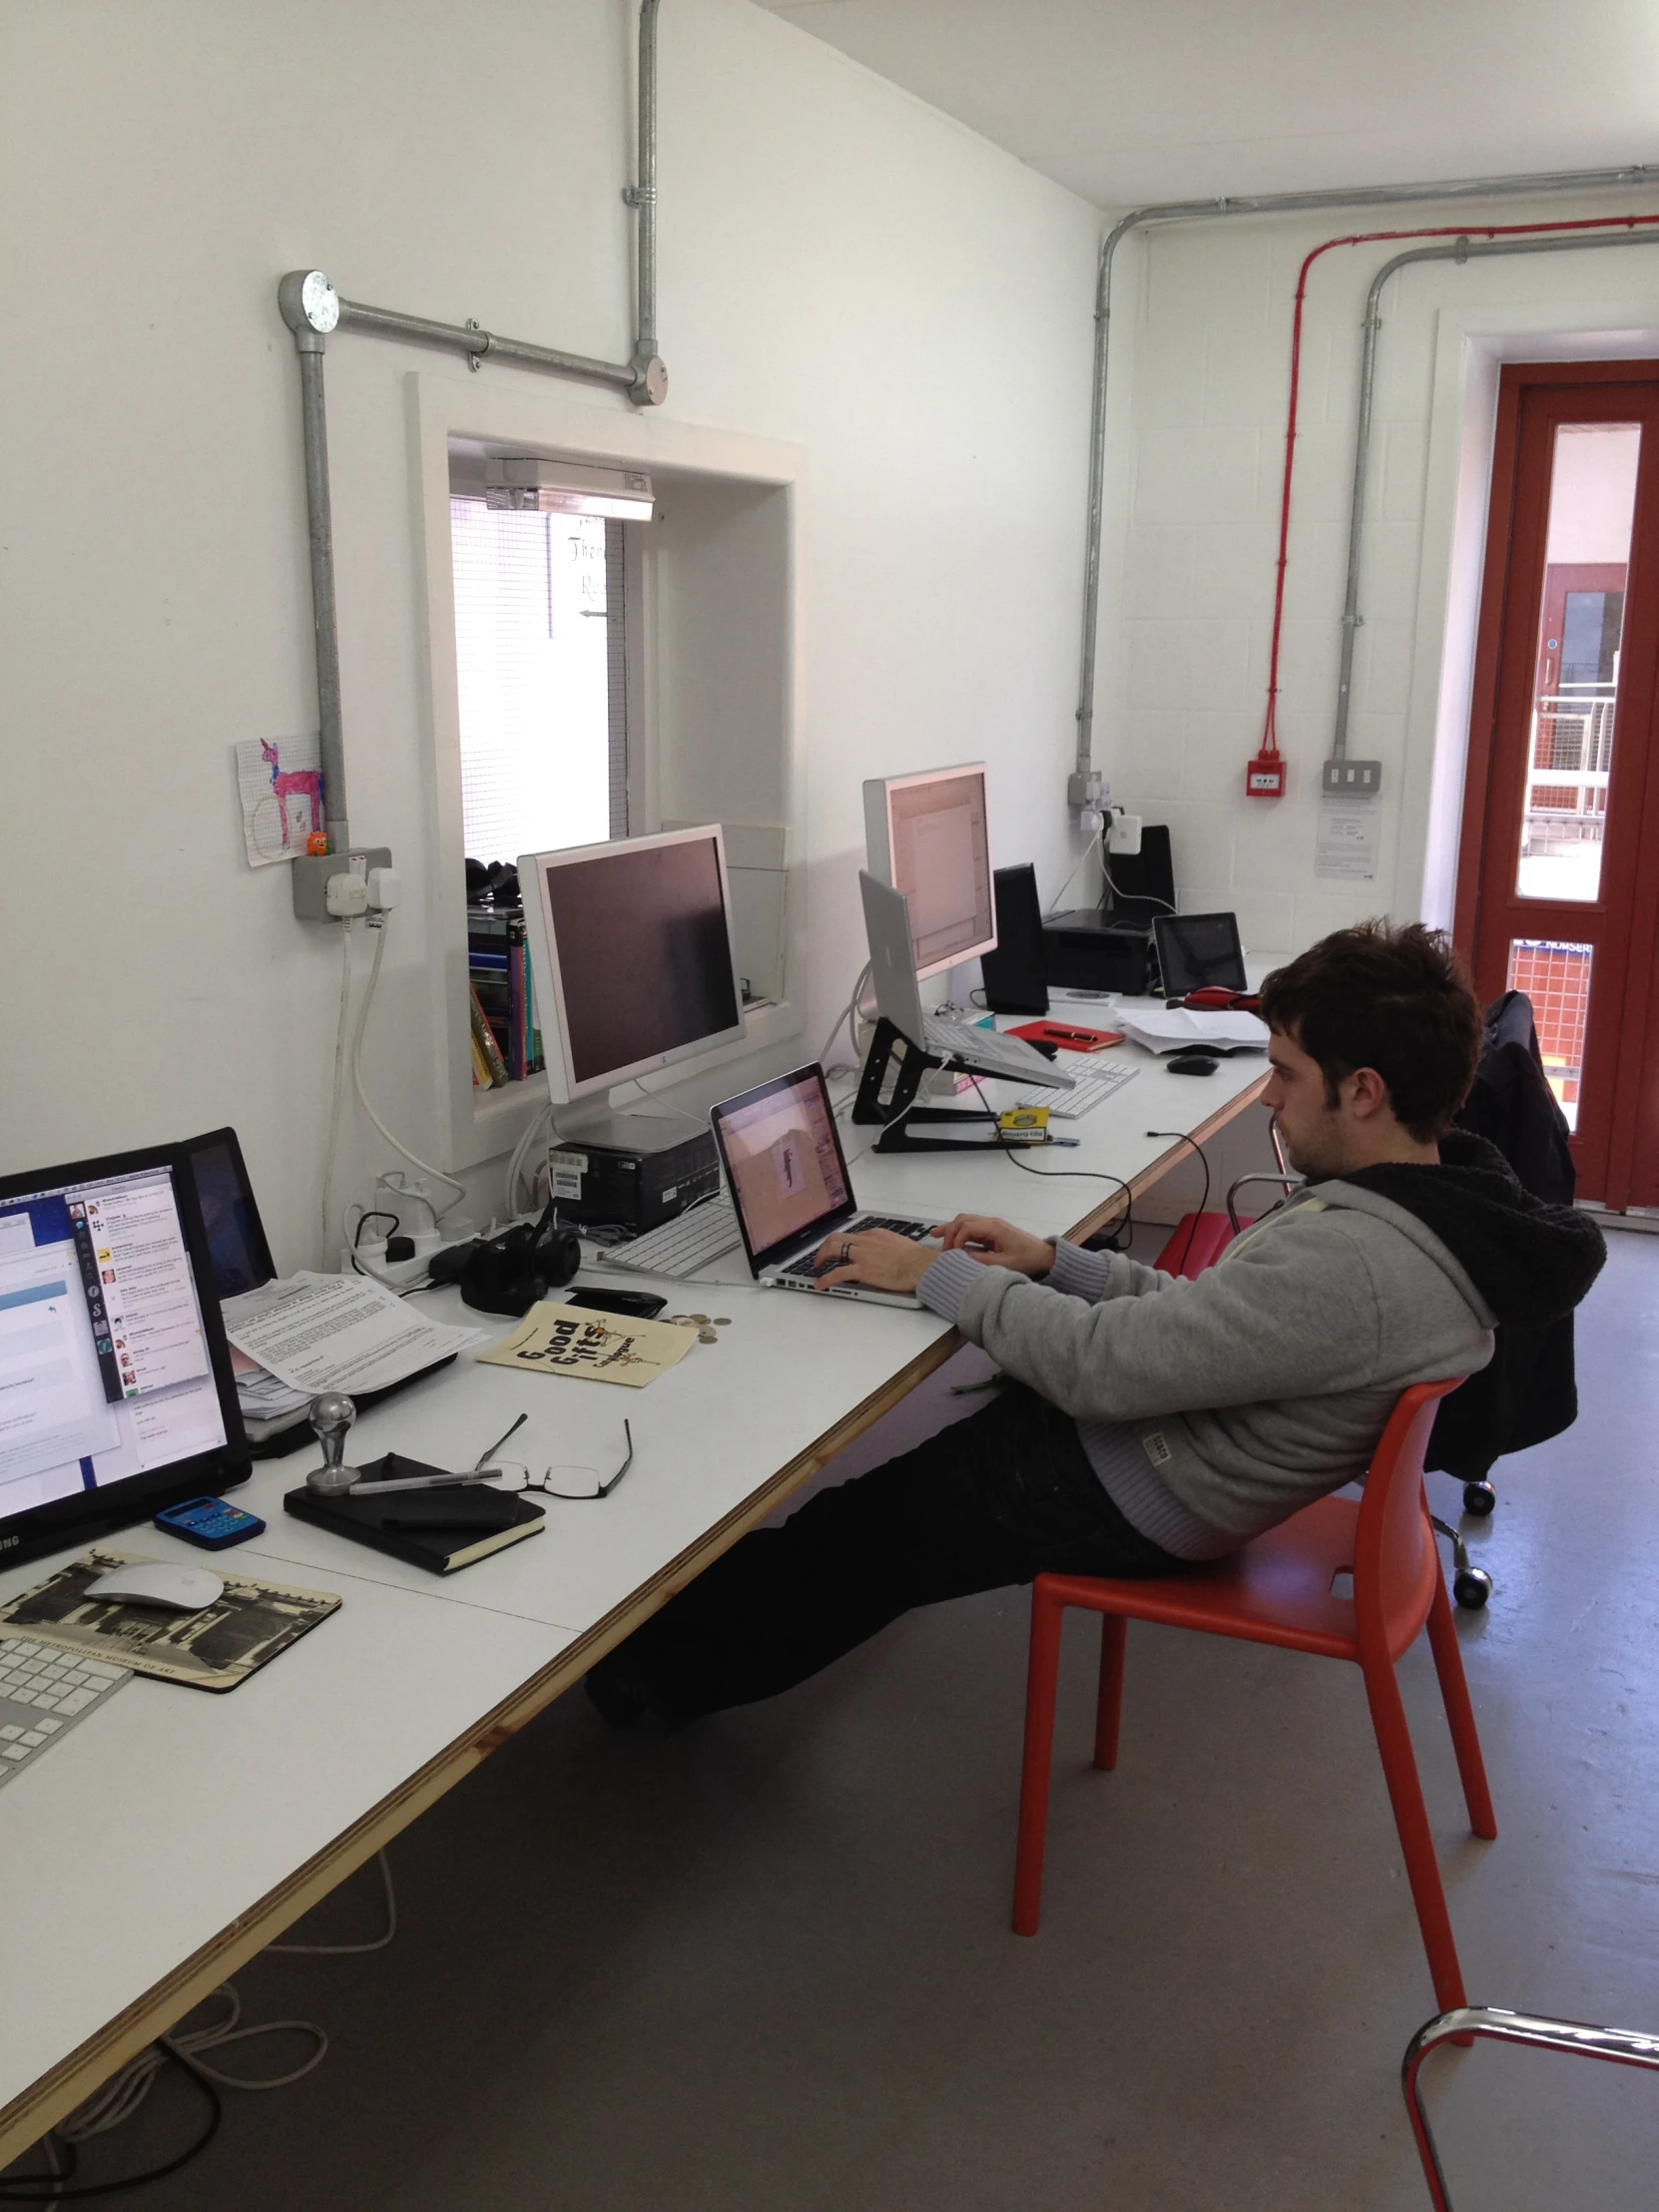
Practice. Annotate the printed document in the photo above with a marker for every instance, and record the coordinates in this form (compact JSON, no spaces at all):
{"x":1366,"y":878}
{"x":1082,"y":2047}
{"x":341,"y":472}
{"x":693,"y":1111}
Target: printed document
{"x":337,"y":1332}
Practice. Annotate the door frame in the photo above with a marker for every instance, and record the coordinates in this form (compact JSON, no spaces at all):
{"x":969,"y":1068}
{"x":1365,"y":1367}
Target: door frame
{"x":1636,"y":1061}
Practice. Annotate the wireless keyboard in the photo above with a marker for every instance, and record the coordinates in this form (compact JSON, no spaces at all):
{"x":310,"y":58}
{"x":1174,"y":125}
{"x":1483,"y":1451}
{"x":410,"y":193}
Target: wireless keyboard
{"x":43,"y":1693}
{"x":682,"y":1246}
{"x":1091,"y":1085}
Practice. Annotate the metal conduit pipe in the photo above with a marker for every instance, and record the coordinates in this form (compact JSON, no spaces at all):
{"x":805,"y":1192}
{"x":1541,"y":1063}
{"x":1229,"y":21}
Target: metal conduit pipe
{"x":311,"y":308}
{"x":642,"y":197}
{"x":478,"y":344}
{"x":1271,"y":203}
{"x":1460,"y":250}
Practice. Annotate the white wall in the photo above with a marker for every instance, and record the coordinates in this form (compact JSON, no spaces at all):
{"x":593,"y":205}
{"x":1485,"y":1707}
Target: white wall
{"x":1202,"y":325}
{"x":840,"y":267}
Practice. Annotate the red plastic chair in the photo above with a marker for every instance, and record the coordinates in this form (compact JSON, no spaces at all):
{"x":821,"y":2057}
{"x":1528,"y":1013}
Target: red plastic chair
{"x":1196,"y":1241}
{"x":1278,"y":1590}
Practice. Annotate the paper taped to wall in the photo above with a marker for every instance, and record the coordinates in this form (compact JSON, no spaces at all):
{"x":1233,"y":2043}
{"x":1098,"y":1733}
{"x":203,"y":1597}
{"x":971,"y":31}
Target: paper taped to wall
{"x":1344,"y":850}
{"x":280,"y":784}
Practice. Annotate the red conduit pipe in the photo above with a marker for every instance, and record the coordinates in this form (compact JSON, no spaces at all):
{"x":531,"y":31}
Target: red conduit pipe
{"x":1270,"y":732}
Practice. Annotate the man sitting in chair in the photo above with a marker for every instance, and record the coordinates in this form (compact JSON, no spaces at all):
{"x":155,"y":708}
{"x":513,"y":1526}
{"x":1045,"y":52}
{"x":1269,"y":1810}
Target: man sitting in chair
{"x":1146,"y":1423}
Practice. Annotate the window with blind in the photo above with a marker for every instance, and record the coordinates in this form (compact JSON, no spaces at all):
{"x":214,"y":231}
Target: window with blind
{"x":541,"y":657}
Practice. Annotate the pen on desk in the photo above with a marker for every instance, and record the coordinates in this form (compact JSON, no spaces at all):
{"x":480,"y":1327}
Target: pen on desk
{"x":420,"y":1483}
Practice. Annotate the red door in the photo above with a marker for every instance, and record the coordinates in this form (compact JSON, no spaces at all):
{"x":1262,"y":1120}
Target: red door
{"x":1558,"y":883}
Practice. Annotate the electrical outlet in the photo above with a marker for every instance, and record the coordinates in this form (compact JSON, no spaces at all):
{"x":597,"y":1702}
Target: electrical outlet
{"x":310,"y":872}
{"x":1351,"y":777}
{"x":1088,"y":788}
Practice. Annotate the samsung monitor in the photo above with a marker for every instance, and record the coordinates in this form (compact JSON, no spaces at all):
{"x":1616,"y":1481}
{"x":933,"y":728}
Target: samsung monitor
{"x":926,"y":836}
{"x":631,"y":955}
{"x":116,"y":1392}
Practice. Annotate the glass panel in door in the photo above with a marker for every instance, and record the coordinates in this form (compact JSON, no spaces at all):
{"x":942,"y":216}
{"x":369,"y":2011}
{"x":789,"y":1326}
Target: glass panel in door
{"x":1592,"y":499}
{"x":1556,"y":978}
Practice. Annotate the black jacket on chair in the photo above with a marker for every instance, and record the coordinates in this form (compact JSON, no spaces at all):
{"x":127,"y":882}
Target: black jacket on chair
{"x":1528,"y":1393}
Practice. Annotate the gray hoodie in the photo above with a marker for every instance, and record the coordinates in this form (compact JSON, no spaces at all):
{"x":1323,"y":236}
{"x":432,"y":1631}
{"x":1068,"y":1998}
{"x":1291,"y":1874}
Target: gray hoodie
{"x":1215,"y":1408}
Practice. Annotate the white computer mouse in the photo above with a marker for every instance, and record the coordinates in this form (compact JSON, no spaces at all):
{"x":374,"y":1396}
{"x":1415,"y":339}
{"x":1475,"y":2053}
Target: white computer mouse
{"x":154,"y":1582}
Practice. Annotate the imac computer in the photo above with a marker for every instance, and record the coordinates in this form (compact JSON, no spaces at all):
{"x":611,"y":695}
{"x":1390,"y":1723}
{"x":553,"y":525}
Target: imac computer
{"x":631,"y":956}
{"x":925,"y":835}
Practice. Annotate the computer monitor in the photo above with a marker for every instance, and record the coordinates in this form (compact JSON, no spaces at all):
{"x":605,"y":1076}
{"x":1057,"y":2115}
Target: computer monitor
{"x":631,"y":955}
{"x":116,"y":1392}
{"x":926,"y":836}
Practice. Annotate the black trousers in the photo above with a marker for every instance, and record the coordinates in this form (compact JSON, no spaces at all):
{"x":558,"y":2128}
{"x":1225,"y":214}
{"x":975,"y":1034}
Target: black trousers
{"x":998,"y":1499}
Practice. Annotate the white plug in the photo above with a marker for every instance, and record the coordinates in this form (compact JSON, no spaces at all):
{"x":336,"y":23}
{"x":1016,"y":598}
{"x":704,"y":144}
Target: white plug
{"x":346,"y":896}
{"x":1124,"y":835}
{"x":386,"y":888}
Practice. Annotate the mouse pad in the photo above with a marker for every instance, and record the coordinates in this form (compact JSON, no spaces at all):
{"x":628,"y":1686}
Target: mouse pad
{"x":214,"y":1649}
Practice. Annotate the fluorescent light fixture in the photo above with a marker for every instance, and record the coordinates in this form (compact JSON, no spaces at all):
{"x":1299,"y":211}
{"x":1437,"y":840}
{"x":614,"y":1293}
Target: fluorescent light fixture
{"x":528,"y":483}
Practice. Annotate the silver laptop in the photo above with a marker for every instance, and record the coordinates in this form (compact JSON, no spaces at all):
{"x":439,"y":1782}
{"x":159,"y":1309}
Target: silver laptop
{"x":892,"y":962}
{"x":786,"y":1172}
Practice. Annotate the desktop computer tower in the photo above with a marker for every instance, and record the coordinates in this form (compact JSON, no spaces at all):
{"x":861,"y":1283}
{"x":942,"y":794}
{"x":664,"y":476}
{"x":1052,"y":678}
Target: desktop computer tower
{"x":631,"y":1169}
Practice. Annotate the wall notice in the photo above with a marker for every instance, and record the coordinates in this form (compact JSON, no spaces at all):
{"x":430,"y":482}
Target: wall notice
{"x":1348,"y":835}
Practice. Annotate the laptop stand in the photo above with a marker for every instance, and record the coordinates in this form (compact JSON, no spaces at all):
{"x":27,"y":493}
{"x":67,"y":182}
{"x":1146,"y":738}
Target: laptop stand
{"x":891,"y":1051}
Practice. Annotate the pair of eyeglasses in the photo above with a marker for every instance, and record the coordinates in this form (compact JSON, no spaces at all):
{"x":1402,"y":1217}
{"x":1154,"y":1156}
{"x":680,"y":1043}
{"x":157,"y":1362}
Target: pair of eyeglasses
{"x":515,"y":1478}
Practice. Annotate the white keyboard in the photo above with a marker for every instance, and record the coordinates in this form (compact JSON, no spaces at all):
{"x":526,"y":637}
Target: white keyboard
{"x":682,"y":1246}
{"x":988,"y":1053}
{"x":1093,"y":1083}
{"x":43,"y":1693}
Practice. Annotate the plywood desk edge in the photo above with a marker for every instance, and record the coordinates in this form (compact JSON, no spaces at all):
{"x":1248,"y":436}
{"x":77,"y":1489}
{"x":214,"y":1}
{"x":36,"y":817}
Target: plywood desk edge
{"x":75,"y":2077}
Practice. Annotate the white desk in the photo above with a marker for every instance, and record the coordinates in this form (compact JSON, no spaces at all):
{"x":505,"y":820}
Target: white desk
{"x":175,"y":1834}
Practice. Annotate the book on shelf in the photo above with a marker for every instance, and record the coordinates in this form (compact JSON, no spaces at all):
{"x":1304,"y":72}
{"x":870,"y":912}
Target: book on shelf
{"x":498,"y":968}
{"x":484,"y":1041}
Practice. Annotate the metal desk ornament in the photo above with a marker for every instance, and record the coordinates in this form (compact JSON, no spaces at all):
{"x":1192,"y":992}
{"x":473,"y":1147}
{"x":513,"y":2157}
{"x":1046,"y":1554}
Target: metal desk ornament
{"x":332,"y":1415}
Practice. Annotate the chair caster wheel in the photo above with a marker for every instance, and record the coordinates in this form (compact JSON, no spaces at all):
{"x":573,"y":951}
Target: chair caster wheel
{"x":1479,"y":1498}
{"x":1471,"y":1588}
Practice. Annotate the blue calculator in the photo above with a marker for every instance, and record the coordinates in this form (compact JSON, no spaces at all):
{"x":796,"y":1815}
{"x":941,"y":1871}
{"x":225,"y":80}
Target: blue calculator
{"x":210,"y":1522}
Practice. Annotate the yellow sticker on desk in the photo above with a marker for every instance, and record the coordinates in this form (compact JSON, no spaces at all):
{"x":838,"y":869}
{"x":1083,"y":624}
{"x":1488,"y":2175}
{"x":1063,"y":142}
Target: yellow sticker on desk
{"x":583,"y":1340}
{"x":1021,"y":1121}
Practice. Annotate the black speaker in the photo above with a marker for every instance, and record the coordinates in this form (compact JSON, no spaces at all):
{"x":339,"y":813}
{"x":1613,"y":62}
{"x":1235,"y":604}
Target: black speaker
{"x":1017,"y":981}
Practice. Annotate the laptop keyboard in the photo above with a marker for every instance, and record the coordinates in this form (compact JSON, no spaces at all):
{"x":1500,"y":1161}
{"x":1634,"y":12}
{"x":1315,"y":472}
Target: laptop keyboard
{"x":43,"y":1693}
{"x":987,"y":1049}
{"x":807,"y":1267}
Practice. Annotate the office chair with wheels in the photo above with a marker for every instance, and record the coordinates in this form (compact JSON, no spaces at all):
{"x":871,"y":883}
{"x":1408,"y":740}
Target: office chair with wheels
{"x":1278,"y":1590}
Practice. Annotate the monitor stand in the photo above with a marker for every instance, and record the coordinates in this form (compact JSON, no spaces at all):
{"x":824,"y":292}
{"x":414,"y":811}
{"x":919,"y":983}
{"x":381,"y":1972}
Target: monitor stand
{"x":898,"y":1110}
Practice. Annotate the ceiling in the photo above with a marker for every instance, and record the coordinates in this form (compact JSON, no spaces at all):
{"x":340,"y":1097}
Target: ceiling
{"x":1130,"y":102}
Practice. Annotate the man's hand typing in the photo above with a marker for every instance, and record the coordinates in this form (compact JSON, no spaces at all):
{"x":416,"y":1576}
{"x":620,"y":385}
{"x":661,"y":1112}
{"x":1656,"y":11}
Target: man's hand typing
{"x":997,"y":1243}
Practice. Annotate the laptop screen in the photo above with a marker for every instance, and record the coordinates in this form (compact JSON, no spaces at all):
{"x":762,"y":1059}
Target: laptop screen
{"x":783,"y":1163}
{"x":107,"y":1371}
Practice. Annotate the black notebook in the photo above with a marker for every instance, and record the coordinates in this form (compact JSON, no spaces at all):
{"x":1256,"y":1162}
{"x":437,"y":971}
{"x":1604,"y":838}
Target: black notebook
{"x":441,"y":1530}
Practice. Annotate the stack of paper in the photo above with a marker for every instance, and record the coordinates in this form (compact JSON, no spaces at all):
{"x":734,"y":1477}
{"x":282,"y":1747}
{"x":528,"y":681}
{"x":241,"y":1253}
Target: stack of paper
{"x":315,"y":1332}
{"x":1175,"y":1029}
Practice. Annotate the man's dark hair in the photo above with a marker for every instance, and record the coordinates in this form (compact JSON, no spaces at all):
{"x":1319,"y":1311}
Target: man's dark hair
{"x":1395,"y":1000}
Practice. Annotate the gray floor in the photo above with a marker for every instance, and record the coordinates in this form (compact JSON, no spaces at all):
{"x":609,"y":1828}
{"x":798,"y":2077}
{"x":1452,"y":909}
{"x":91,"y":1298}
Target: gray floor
{"x":765,"y":1964}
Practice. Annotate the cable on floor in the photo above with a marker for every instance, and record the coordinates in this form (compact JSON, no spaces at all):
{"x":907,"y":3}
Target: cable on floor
{"x":351,"y":1950}
{"x":118,"y":2100}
